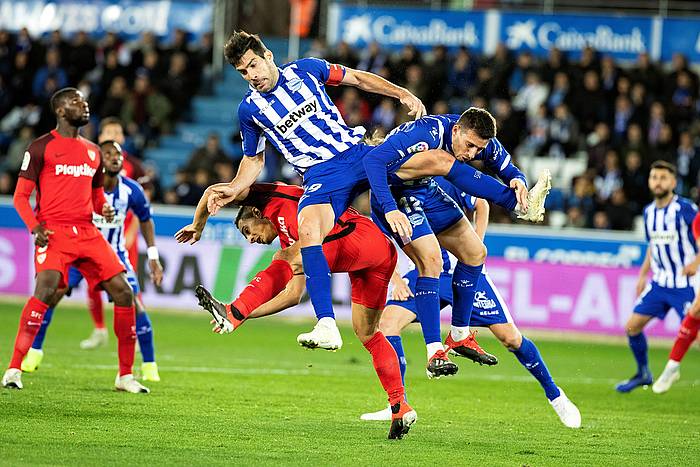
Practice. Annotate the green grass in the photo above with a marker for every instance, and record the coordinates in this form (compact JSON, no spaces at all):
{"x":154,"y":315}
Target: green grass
{"x":255,"y":397}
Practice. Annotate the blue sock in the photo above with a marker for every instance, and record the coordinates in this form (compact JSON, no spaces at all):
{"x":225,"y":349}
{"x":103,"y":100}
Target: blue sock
{"x":396,"y":343}
{"x":638,"y":344}
{"x":464,"y":283}
{"x":318,"y":280}
{"x":41,"y":335}
{"x":530,"y":358}
{"x":475,"y":183}
{"x":144,"y":333}
{"x":428,"y":307}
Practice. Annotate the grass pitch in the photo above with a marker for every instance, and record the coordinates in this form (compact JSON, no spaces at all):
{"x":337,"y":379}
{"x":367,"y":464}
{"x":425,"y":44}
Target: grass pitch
{"x":256,"y":397}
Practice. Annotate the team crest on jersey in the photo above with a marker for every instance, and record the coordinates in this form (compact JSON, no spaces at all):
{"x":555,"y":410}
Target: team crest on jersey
{"x":91,"y":154}
{"x":25,"y":160}
{"x":418,"y":147}
{"x":294,"y":84}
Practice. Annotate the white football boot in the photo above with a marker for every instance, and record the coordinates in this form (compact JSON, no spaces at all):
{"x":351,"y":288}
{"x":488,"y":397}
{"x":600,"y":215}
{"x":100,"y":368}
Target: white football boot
{"x":325,"y":335}
{"x":12,"y":379}
{"x":670,"y":375}
{"x":536,"y":198}
{"x":128,"y":383}
{"x":98,"y":338}
{"x":567,"y":411}
{"x":383,"y":415}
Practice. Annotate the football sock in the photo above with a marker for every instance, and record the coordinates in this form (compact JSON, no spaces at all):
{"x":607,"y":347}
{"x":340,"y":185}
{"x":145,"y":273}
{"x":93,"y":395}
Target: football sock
{"x":124,"y":324}
{"x":686,"y":336}
{"x":41,"y":335}
{"x":475,"y":183}
{"x":638,"y":344}
{"x":396,"y":343}
{"x":428,"y":308}
{"x":386,"y":364}
{"x":464,"y":284}
{"x":264,"y":287}
{"x":144,"y":333}
{"x":318,"y":280}
{"x":96,"y":310}
{"x":530,"y":358}
{"x":29,"y":325}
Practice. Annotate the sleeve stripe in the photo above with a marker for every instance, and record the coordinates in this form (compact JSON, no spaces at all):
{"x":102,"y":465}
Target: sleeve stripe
{"x":335,"y":75}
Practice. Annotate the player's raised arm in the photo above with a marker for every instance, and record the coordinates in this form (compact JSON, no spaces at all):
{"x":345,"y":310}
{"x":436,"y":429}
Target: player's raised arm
{"x":370,"y":82}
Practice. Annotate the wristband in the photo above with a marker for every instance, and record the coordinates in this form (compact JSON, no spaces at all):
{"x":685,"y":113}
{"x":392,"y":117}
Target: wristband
{"x":152,"y":252}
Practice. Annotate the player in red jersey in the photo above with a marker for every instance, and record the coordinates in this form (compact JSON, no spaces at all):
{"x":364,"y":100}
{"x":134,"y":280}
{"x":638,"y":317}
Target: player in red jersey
{"x":111,"y":129}
{"x":355,"y":245}
{"x":688,"y":331}
{"x":66,"y":171}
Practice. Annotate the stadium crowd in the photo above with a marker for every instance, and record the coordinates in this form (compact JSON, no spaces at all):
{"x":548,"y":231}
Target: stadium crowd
{"x":615,"y":117}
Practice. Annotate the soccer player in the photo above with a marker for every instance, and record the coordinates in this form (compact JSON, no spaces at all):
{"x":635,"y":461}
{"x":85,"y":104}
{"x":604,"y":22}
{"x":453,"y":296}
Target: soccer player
{"x":111,"y":129}
{"x":66,"y":171}
{"x":354,"y":245}
{"x":459,"y":138}
{"x":289,"y":107}
{"x":688,"y":331}
{"x":489,"y":311}
{"x":125,"y":195}
{"x":668,"y":227}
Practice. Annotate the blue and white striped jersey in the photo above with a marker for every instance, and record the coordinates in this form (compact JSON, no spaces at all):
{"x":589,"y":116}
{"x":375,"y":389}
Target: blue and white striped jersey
{"x":297,"y":116}
{"x":127,"y":195}
{"x":669,"y":233}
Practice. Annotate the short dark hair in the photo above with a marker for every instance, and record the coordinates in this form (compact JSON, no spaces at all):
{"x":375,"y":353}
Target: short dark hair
{"x":60,"y":97}
{"x":110,"y":121}
{"x":244,"y":213}
{"x":480,"y":121}
{"x":665,"y":166}
{"x":239,"y":42}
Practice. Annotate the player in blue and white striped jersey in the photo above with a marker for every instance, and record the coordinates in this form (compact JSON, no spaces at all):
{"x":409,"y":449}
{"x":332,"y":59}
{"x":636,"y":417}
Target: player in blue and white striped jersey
{"x":289,"y":107}
{"x":123,"y":194}
{"x":668,"y":228}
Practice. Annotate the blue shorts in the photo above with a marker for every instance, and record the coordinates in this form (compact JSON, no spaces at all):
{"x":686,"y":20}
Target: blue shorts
{"x":75,"y":277}
{"x":489,"y":307}
{"x":337,"y":181}
{"x":429,"y":208}
{"x":657,"y":301}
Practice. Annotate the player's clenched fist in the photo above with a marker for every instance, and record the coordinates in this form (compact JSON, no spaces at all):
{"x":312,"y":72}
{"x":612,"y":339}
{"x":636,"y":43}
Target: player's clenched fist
{"x":41,"y":235}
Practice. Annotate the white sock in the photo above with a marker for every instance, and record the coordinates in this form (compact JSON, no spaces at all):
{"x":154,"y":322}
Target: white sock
{"x":672,"y":365}
{"x":434,"y":347}
{"x":327,"y":322}
{"x":459,"y":332}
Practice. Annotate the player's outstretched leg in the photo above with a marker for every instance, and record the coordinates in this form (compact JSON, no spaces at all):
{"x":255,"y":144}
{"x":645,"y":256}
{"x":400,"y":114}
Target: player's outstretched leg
{"x":35,"y":355}
{"x":226,"y":317}
{"x":99,"y":336}
{"x":638,"y":344}
{"x":686,"y":336}
{"x":469,"y":348}
{"x":385,"y":414}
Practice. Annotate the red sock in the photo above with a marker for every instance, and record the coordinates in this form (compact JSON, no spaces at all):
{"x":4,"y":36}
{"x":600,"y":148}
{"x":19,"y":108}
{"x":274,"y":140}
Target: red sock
{"x":264,"y":286}
{"x":686,"y":335}
{"x":95,"y":307}
{"x":386,"y":364}
{"x":29,"y":325}
{"x":125,"y":329}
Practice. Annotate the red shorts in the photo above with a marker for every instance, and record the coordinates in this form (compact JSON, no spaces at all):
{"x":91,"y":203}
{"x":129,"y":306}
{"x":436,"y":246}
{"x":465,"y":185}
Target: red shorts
{"x":368,"y":257}
{"x":83,"y":247}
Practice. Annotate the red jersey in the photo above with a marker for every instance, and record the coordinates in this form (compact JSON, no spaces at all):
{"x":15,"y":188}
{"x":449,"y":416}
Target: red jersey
{"x":696,"y":227}
{"x":65,"y":171}
{"x":279,"y":203}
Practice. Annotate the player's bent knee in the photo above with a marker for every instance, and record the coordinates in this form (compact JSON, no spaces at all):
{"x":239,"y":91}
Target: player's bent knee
{"x":512,"y":342}
{"x":430,"y":266}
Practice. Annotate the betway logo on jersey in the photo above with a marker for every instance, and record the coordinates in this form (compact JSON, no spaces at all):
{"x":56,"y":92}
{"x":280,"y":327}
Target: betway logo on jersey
{"x":296,"y":117}
{"x":75,"y":170}
{"x":664,"y":237}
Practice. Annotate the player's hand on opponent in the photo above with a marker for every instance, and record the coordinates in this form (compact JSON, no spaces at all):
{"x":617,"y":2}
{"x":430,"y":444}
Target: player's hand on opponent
{"x":41,"y":235}
{"x":156,"y":271}
{"x":108,"y":212}
{"x":401,"y":291}
{"x":188,"y":233}
{"x":220,"y":197}
{"x":690,"y":269}
{"x":416,"y":108}
{"x":520,"y":192}
{"x":399,"y":224}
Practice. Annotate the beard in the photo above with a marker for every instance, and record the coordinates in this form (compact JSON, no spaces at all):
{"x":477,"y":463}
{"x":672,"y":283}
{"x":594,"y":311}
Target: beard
{"x":78,"y":121}
{"x":113,"y":173}
{"x":661,"y":194}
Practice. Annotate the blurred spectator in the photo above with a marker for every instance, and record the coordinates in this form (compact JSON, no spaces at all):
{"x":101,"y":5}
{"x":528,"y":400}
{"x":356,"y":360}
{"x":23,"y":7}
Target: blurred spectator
{"x":538,"y":132}
{"x":683,"y":98}
{"x":657,"y":118}
{"x":563,"y":133}
{"x":80,"y":57}
{"x":353,"y":108}
{"x":415,"y":82}
{"x":436,"y":72}
{"x":373,"y":58}
{"x":408,"y":56}
{"x":664,"y":149}
{"x":207,"y":156}
{"x":116,"y":98}
{"x":609,"y":74}
{"x":647,"y":73}
{"x":344,"y":54}
{"x":531,"y":96}
{"x":52,"y":70}
{"x":176,"y":84}
{"x":575,"y":217}
{"x":601,"y":221}
{"x":510,"y":125}
{"x":621,"y":119}
{"x":523,"y":65}
{"x":15,"y":153}
{"x":501,"y":66}
{"x":583,"y":197}
{"x":556,"y":64}
{"x":5,"y":97}
{"x":561,"y":92}
{"x":7,"y":184}
{"x":190,"y":189}
{"x":634,"y":181}
{"x":591,"y":106}
{"x":148,"y":108}
{"x":688,"y":163}
{"x":598,"y":144}
{"x":462,"y":74}
{"x":384,"y":115}
{"x":21,"y":79}
{"x":635,"y":142}
{"x":609,"y":178}
{"x":619,"y":213}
